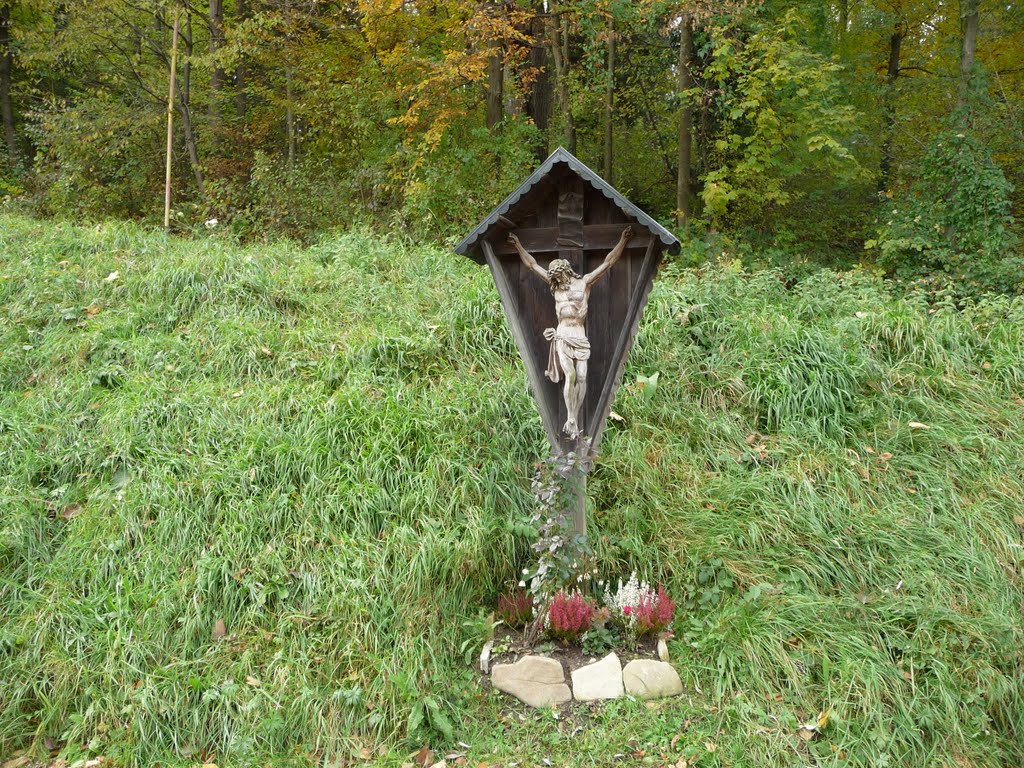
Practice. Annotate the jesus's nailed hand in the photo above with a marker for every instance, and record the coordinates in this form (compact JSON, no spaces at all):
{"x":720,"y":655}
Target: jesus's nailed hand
{"x":512,"y":238}
{"x":627,"y":233}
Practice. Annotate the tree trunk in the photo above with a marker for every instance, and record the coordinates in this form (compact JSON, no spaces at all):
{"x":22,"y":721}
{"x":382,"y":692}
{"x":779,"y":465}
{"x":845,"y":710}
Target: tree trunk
{"x":538,"y":102}
{"x":186,"y":65}
{"x":6,"y":74}
{"x":558,"y":41}
{"x":685,"y":83}
{"x":184,"y":107}
{"x":609,"y":103}
{"x":893,"y":72}
{"x":289,"y":119}
{"x":190,"y":143}
{"x":170,"y":123}
{"x":217,"y":73}
{"x":495,"y":80}
{"x":969,"y":22}
{"x":512,"y":96}
{"x":241,"y":105}
{"x":844,"y":17}
{"x":705,"y":134}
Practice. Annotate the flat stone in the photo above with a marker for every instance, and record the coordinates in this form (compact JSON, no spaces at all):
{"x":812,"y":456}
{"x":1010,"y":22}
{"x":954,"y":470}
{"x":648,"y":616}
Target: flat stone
{"x":534,"y":680}
{"x":600,"y":680}
{"x":649,"y":679}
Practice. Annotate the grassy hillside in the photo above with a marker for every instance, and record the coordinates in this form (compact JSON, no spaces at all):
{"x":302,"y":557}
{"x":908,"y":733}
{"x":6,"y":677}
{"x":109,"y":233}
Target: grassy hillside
{"x":325,"y":455}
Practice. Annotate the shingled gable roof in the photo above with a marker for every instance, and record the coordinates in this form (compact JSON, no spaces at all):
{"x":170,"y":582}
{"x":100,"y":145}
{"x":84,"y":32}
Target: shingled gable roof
{"x":470,"y":244}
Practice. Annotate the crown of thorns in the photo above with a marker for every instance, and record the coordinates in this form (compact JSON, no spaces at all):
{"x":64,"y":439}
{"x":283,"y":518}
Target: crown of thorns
{"x":560,"y":268}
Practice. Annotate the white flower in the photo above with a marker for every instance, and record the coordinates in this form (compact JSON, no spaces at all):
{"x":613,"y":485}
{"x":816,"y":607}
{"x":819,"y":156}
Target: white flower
{"x":211,"y":223}
{"x":629,"y":595}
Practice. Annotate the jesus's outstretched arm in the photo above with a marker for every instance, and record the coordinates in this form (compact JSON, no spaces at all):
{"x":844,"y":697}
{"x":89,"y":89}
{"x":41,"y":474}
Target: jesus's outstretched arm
{"x":528,"y":259}
{"x":612,"y":257}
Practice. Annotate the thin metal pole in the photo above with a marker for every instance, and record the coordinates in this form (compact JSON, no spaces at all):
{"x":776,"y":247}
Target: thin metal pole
{"x":170,"y":122}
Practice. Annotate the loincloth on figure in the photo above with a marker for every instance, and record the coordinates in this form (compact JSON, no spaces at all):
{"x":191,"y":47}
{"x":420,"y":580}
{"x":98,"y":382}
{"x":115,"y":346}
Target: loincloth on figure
{"x":573,"y":347}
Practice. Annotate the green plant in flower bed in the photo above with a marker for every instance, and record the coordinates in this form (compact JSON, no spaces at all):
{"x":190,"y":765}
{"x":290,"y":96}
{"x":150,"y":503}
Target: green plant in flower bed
{"x":598,"y":640}
{"x":259,"y":541}
{"x":515,"y":609}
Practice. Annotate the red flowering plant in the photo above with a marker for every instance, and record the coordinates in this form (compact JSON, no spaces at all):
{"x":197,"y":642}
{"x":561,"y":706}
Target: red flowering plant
{"x":639,"y":610}
{"x":653,"y":614}
{"x":569,"y":616}
{"x":515,"y":609}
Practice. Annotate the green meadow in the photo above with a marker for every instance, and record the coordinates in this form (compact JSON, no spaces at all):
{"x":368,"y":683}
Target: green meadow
{"x":254,"y":499}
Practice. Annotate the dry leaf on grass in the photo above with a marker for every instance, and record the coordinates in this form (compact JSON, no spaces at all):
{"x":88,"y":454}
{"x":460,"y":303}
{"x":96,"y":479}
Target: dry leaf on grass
{"x":424,"y":757}
{"x":808,"y":731}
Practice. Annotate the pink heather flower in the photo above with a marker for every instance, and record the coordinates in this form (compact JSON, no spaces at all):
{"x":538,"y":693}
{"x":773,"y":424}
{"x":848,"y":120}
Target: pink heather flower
{"x":627,"y":610}
{"x":654,"y":613}
{"x":569,"y":616}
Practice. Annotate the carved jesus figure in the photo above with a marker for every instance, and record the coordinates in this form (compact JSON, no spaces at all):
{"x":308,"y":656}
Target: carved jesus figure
{"x":570,"y":347}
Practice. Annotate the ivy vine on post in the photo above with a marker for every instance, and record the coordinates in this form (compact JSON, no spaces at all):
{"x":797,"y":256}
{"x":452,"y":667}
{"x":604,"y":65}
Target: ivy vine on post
{"x":563,"y":554}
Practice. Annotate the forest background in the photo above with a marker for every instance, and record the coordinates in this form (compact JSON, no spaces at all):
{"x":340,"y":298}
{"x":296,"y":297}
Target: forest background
{"x":797,"y":134}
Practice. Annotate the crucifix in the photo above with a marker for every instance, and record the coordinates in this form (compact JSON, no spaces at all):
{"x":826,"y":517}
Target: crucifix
{"x":573,"y":261}
{"x":570,"y":347}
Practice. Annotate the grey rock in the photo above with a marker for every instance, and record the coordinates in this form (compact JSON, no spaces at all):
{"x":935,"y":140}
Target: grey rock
{"x":485,"y":657}
{"x":600,"y":680}
{"x":534,"y":680}
{"x":649,"y":679}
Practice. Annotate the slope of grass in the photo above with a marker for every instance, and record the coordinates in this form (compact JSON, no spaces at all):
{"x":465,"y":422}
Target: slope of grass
{"x":325,"y":454}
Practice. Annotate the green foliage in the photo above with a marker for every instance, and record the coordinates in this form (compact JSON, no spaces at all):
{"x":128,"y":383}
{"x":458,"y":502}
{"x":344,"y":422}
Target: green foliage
{"x":956,"y":224}
{"x":92,"y":159}
{"x":295,"y":202}
{"x":562,"y":553}
{"x":783,"y":124}
{"x":597,"y":641}
{"x":251,"y":496}
{"x":307,"y":117}
{"x":457,"y":184}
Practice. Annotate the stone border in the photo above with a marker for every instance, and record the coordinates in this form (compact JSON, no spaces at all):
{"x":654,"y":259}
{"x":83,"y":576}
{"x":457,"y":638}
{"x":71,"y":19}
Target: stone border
{"x":539,"y":681}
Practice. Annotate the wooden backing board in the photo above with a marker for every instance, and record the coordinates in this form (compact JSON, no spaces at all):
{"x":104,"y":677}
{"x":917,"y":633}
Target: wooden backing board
{"x":510,"y":303}
{"x":614,"y":314}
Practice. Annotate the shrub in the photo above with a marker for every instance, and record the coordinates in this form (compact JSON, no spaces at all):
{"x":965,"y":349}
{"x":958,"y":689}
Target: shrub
{"x":653,"y":613}
{"x":569,"y":616}
{"x":956,"y":223}
{"x":515,"y":609}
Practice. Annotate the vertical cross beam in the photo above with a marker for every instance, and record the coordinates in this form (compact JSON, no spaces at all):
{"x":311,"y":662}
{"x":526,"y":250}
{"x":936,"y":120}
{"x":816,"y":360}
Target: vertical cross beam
{"x":570,"y":248}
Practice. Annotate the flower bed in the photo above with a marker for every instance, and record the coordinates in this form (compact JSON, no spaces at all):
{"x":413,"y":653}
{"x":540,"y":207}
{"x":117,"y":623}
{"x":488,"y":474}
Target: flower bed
{"x":589,"y":649}
{"x":577,"y":628}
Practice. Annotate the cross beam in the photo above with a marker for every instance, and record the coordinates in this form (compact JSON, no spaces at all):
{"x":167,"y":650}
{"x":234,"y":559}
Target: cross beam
{"x":547,"y":239}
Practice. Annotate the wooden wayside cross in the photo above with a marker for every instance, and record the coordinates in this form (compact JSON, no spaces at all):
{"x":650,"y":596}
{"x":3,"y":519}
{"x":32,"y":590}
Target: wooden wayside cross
{"x":573,"y":262}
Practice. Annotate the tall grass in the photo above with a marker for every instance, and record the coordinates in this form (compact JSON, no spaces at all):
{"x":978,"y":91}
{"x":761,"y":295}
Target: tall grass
{"x":327,"y":453}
